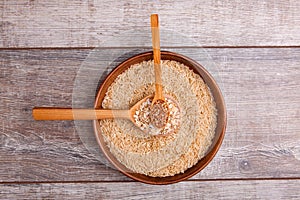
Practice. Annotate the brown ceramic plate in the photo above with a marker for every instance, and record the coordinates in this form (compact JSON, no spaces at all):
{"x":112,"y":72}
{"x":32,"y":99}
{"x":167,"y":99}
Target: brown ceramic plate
{"x":221,"y":118}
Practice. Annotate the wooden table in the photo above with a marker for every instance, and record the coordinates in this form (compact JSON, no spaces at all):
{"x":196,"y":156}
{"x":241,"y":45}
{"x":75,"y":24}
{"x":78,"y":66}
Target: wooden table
{"x":256,"y":46}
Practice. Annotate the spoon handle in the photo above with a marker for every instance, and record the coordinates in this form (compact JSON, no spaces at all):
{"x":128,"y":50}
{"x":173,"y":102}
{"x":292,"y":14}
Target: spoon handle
{"x":44,"y":113}
{"x":156,"y":56}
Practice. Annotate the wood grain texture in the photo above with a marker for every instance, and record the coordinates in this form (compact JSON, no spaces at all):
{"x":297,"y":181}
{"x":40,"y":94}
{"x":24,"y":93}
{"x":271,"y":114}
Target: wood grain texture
{"x":260,"y":155}
{"x":261,"y":89}
{"x":258,"y":189}
{"x":54,"y":113}
{"x":87,"y":23}
{"x":156,"y":58}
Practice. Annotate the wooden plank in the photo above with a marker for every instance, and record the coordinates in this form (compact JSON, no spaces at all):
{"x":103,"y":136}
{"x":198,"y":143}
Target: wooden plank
{"x":260,"y":88}
{"x":256,"y":189}
{"x":88,"y":23}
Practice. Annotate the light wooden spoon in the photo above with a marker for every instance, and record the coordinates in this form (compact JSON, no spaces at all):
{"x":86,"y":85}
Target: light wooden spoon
{"x":52,"y":113}
{"x":159,"y":98}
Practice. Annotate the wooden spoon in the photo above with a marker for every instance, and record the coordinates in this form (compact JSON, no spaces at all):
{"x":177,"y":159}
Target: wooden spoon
{"x":52,"y":113}
{"x":158,"y":99}
{"x":156,"y":57}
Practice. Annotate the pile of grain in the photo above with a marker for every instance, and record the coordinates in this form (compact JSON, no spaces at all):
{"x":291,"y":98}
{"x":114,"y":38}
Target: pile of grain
{"x":152,"y":155}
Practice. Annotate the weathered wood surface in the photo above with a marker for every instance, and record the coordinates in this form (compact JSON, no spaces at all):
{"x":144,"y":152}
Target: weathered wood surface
{"x":88,"y":23}
{"x":259,"y":189}
{"x":260,"y":155}
{"x":261,"y":89}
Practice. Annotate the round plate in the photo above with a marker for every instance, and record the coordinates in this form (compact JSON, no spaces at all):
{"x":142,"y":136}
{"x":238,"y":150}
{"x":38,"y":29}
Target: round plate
{"x":221,"y":117}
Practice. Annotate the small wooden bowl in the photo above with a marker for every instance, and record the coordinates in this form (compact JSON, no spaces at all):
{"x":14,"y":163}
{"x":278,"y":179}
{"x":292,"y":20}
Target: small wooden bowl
{"x":221,"y":118}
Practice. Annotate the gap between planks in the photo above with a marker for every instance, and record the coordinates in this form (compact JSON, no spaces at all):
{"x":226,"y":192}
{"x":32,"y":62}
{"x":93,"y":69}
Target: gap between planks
{"x":134,"y":47}
{"x":132,"y":181}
